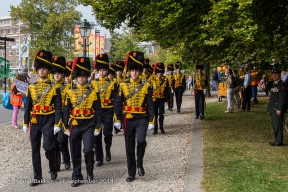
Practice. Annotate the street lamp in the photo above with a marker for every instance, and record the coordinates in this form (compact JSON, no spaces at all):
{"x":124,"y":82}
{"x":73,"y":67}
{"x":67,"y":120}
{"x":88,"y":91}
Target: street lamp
{"x":85,"y":29}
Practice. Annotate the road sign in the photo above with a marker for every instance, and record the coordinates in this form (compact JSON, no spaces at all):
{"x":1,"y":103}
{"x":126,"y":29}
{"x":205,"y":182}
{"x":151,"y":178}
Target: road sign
{"x":24,"y":48}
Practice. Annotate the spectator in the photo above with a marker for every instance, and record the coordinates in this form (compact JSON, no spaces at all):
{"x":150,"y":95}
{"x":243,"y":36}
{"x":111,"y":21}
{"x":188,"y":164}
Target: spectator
{"x":254,"y":84}
{"x":230,"y":91}
{"x":25,"y":75}
{"x":188,"y":82}
{"x":247,"y":90}
{"x":237,"y":89}
{"x":215,"y":79}
{"x":16,"y":100}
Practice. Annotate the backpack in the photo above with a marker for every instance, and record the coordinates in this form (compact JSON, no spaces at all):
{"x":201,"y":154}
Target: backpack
{"x":6,"y":100}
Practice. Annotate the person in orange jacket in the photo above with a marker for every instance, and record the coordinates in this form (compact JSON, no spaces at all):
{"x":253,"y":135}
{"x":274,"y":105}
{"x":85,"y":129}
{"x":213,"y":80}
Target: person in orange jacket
{"x":16,"y":100}
{"x":254,"y":84}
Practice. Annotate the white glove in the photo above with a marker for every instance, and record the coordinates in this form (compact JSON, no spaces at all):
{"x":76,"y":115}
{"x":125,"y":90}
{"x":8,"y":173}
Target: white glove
{"x":67,"y":133}
{"x":151,"y":126}
{"x":56,"y":130}
{"x":25,"y":129}
{"x":117,"y":125}
{"x":96,"y":133}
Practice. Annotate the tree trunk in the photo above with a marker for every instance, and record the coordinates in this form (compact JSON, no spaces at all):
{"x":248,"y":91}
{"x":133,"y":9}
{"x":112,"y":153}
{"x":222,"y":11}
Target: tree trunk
{"x":207,"y":72}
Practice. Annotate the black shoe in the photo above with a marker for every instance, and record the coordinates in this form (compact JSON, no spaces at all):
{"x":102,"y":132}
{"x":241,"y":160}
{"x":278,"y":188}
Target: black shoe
{"x":99,"y":163}
{"x":75,"y":183}
{"x":108,"y":155}
{"x":54,"y":175}
{"x":197,"y":117}
{"x":62,"y":161}
{"x":275,"y":144}
{"x":141,"y":171}
{"x":178,"y":110}
{"x":116,"y":131}
{"x":35,"y":182}
{"x":67,"y":165}
{"x":162,"y":131}
{"x":130,"y":178}
{"x":90,"y":177}
{"x":201,"y":117}
{"x":154,"y":133}
{"x":170,"y":109}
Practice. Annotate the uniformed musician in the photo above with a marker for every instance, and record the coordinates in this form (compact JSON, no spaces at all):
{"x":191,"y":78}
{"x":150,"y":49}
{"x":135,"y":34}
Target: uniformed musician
{"x":134,"y":99}
{"x":178,"y":85}
{"x":170,"y":78}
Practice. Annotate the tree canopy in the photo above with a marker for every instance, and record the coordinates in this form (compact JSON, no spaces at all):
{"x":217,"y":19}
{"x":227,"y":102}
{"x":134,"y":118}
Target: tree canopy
{"x":210,"y":31}
{"x":50,"y":24}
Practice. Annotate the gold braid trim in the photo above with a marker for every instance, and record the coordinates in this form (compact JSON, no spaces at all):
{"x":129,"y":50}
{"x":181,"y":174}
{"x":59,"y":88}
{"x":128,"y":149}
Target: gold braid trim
{"x":44,"y":60}
{"x":102,"y":62}
{"x":59,"y":65}
{"x":135,"y":60}
{"x":82,"y":67}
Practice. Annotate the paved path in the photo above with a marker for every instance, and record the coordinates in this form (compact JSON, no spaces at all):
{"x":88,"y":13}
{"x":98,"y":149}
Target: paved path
{"x":169,"y":160}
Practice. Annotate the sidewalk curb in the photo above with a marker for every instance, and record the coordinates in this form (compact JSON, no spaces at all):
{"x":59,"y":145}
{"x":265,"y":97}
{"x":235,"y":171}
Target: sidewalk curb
{"x":195,"y":164}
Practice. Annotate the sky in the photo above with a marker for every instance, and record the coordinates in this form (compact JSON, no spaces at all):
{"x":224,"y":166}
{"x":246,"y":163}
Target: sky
{"x":86,"y":13}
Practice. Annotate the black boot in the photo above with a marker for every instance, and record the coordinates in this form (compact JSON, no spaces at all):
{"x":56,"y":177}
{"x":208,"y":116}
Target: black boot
{"x":156,"y":126}
{"x":161,"y":121}
{"x":108,"y":143}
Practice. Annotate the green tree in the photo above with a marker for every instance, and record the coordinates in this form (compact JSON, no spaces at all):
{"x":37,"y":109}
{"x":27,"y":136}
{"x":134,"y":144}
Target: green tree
{"x":50,"y":24}
{"x":121,"y":44}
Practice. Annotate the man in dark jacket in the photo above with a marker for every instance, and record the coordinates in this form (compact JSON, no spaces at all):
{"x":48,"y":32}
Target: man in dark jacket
{"x":277,"y":107}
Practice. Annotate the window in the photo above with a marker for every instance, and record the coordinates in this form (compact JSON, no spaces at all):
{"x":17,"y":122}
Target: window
{"x":10,"y":31}
{"x":17,"y":52}
{"x":3,"y":31}
{"x":16,"y":30}
{"x":17,"y":41}
{"x":10,"y":53}
{"x":3,"y":53}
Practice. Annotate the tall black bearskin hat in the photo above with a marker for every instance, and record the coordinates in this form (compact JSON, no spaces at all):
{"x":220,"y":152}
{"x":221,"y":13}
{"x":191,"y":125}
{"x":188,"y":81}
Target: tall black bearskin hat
{"x":68,"y":68}
{"x":111,"y":69}
{"x":58,"y":64}
{"x":81,"y":66}
{"x":101,"y":61}
{"x":199,"y":65}
{"x":43,"y":59}
{"x":159,"y":68}
{"x":119,"y":65}
{"x":170,"y":67}
{"x":135,"y":60}
{"x":178,"y":65}
{"x":146,"y":63}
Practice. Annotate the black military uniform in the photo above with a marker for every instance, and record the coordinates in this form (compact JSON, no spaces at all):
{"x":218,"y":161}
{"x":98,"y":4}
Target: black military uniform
{"x":134,"y":99}
{"x":82,"y":117}
{"x":200,"y":83}
{"x":160,"y":94}
{"x":277,"y":108}
{"x":146,"y":75}
{"x":107,"y":91}
{"x":178,"y":85}
{"x":170,"y":78}
{"x":61,"y":144}
{"x":119,"y":66}
{"x":43,"y":112}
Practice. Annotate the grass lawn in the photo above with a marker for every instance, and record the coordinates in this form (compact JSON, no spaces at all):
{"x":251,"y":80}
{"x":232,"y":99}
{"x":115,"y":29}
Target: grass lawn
{"x":236,"y":153}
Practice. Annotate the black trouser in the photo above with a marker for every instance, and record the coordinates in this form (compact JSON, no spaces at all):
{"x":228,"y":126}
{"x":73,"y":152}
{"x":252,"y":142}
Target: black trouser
{"x":137,"y":125}
{"x":277,"y":124}
{"x":246,"y":97}
{"x":178,"y":94}
{"x":83,"y":131}
{"x":61,"y":146}
{"x":199,"y":103}
{"x":159,"y":109}
{"x":170,"y":98}
{"x":45,"y":126}
{"x":107,"y":128}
